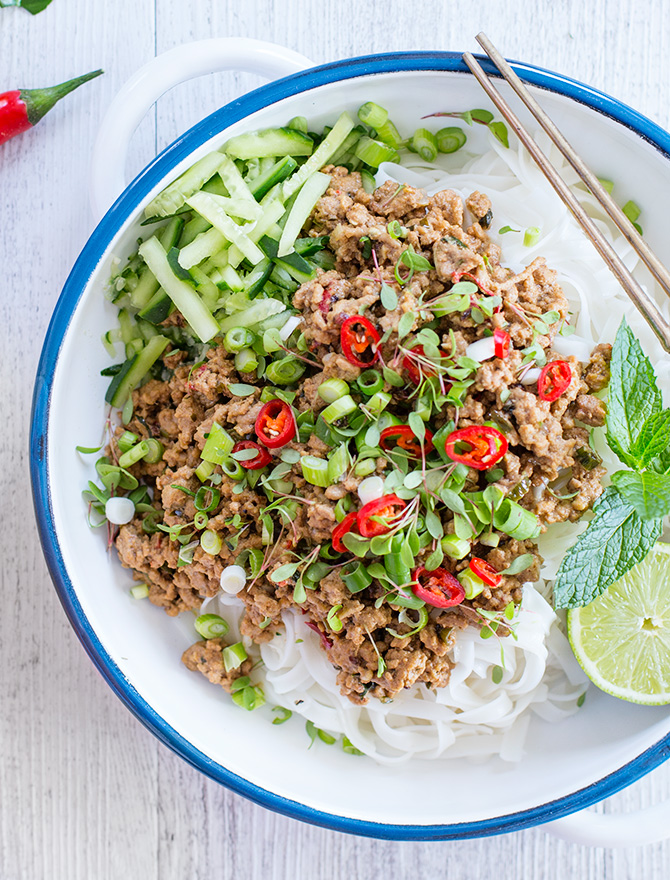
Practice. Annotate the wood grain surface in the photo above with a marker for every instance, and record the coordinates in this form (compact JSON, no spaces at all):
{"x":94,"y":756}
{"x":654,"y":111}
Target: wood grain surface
{"x":86,"y":793}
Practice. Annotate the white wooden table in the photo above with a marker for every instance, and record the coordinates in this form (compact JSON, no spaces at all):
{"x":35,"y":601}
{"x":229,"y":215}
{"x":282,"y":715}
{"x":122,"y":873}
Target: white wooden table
{"x":86,"y":793}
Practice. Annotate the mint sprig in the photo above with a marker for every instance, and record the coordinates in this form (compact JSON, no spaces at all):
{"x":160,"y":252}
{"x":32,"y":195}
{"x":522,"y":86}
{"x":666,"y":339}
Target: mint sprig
{"x":628,"y":516}
{"x":616,"y":540}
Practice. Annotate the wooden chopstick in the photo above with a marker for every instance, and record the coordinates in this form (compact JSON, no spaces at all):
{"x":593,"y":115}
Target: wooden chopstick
{"x":657,"y":269}
{"x":642,"y":301}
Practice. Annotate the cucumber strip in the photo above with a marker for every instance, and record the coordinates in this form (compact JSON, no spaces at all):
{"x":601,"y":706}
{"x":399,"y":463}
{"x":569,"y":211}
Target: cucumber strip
{"x":296,"y":266}
{"x":147,"y":286}
{"x":256,"y":279}
{"x":256,"y":313}
{"x":209,"y":292}
{"x":231,"y":278}
{"x":277,"y":173}
{"x":175,"y":195}
{"x":282,"y":279}
{"x":327,"y":148}
{"x":271,"y":142}
{"x":194,"y":227}
{"x":239,"y":208}
{"x":127,"y":327}
{"x":208,"y":208}
{"x":158,"y":308}
{"x":310,"y":193}
{"x":147,"y":330}
{"x":308,"y":246}
{"x":348,"y":145}
{"x":237,"y":188}
{"x":271,"y":213}
{"x":277,"y":321}
{"x":134,"y":370}
{"x":201,"y":248}
{"x":182,"y":294}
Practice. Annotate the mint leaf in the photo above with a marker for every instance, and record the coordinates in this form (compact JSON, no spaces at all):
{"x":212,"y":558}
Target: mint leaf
{"x":652,"y":447}
{"x":648,"y":493}
{"x":616,"y":540}
{"x":633,"y":395}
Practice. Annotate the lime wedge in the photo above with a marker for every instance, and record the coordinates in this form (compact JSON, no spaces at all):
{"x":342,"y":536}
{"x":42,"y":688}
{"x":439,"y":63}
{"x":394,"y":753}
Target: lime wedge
{"x":622,"y":638}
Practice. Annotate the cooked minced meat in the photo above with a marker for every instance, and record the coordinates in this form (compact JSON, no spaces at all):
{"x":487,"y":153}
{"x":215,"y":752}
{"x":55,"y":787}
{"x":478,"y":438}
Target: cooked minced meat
{"x":377,"y":648}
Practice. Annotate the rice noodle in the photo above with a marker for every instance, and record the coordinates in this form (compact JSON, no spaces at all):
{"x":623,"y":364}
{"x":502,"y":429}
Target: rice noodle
{"x":473,"y":717}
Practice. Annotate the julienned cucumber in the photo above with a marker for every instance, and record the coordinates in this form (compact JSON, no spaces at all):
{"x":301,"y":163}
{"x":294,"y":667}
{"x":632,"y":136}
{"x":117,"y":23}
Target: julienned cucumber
{"x":269,"y":143}
{"x":207,"y":206}
{"x":296,"y":266}
{"x":327,"y":148}
{"x":180,"y":292}
{"x":310,"y":193}
{"x":257,"y":312}
{"x":174,"y":196}
{"x":134,"y":370}
{"x":147,"y":286}
{"x":262,"y":184}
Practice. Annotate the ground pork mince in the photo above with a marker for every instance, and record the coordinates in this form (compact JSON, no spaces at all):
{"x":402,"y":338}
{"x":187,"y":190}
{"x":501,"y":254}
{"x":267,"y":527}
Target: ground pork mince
{"x":377,"y":645}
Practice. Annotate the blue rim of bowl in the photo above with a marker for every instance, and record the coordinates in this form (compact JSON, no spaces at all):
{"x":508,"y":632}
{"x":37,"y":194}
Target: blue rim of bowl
{"x":73,"y":289}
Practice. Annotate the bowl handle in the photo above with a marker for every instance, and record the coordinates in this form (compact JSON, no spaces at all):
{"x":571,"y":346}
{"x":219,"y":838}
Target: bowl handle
{"x":144,"y":88}
{"x":614,"y":830}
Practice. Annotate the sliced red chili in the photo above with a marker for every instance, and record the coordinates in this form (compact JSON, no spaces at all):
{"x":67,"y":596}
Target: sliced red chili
{"x":275,"y":424}
{"x":438,"y":587}
{"x":253,"y":464}
{"x":485,"y":571}
{"x":359,"y":339}
{"x":501,"y":341}
{"x":402,"y":436}
{"x":341,"y":530}
{"x":417,"y":367}
{"x":554,"y":379}
{"x":377,"y":517}
{"x":487,"y":446}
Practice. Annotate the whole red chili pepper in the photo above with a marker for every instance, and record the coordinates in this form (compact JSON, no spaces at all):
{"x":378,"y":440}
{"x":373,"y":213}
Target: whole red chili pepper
{"x":275,"y":424}
{"x":487,"y":446}
{"x":554,"y":379}
{"x":404,"y":437}
{"x":23,"y":108}
{"x":438,"y":588}
{"x":258,"y":461}
{"x":359,"y":339}
{"x":485,"y":571}
{"x":378,"y":517}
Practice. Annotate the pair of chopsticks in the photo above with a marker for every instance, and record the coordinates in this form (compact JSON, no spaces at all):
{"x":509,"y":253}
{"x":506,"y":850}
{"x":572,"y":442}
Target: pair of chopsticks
{"x":640,"y":298}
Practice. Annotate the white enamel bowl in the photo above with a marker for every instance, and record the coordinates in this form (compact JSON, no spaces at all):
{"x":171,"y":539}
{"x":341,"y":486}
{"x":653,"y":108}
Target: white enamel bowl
{"x":137,"y":648}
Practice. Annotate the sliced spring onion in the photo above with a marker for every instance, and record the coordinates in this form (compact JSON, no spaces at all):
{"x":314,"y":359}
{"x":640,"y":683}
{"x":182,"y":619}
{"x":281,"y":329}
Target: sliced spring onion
{"x":282,"y":714}
{"x":455,"y":547}
{"x":290,"y":327}
{"x":180,"y":292}
{"x":472,"y":584}
{"x":341,"y":407}
{"x":332,"y":390}
{"x":315,"y":470}
{"x":119,"y":510}
{"x":356,"y":578}
{"x":388,"y":134}
{"x":234,"y":656}
{"x":155,"y":450}
{"x":232,"y":469}
{"x":373,"y":153}
{"x":285,"y":371}
{"x":342,"y":508}
{"x":211,"y":626}
{"x":233,"y":579}
{"x":237,"y":339}
{"x":246,"y":361}
{"x":335,"y":625}
{"x":378,"y":402}
{"x":424,"y":143}
{"x":607,"y":185}
{"x":450,"y":139}
{"x":126,"y":441}
{"x":370,"y":489}
{"x":370,"y":382}
{"x":210,"y":542}
{"x":310,"y":192}
{"x":531,"y":236}
{"x":133,"y":455}
{"x":482,"y":349}
{"x":372,"y":114}
{"x":141,"y":591}
{"x":365,"y":467}
{"x":218,"y":445}
{"x":515,"y":521}
{"x":339,"y":463}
